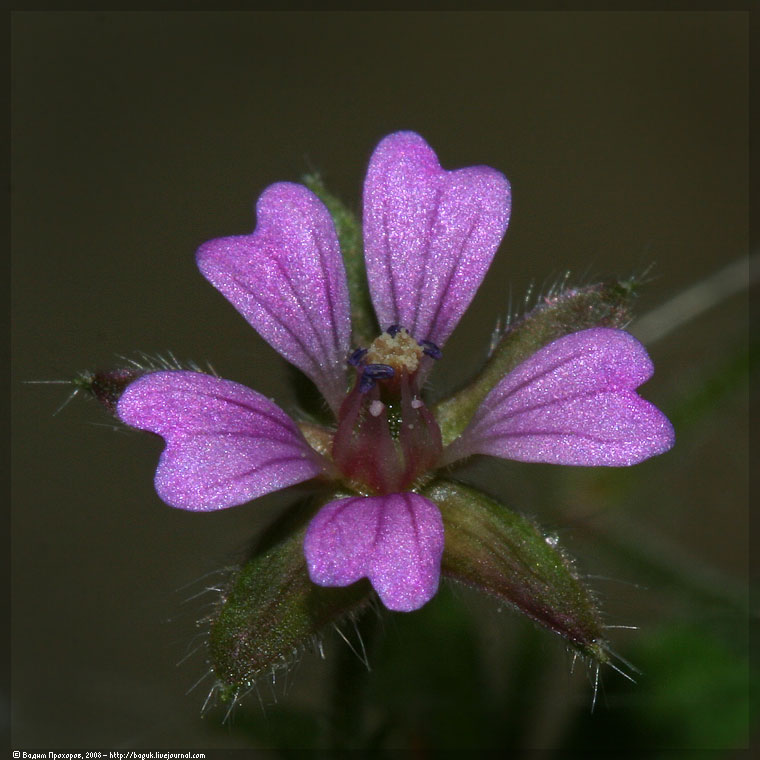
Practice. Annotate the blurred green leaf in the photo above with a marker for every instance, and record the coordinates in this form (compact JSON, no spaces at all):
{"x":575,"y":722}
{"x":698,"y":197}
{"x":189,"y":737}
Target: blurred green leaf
{"x":697,"y":689}
{"x":693,"y":695}
{"x":286,"y":730}
{"x":428,"y":690}
{"x":716,"y":383}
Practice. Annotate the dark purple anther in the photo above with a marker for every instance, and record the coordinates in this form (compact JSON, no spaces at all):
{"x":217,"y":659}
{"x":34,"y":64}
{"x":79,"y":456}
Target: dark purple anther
{"x":430,"y":349}
{"x":355,"y":357}
{"x":366,"y":383}
{"x":373,"y":372}
{"x":393,"y":330}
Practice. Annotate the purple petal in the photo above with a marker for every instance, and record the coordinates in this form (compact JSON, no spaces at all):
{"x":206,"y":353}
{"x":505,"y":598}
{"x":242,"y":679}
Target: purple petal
{"x":225,"y":444}
{"x":396,"y":541}
{"x":287,"y":279}
{"x":573,"y":402}
{"x":429,"y":235}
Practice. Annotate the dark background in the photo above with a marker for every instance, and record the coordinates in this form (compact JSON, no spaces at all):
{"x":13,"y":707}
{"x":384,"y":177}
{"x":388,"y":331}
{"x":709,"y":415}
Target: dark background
{"x":137,"y":136}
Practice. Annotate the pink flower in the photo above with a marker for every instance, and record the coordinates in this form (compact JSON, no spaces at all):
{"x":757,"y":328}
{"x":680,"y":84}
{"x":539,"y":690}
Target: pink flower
{"x":429,"y":237}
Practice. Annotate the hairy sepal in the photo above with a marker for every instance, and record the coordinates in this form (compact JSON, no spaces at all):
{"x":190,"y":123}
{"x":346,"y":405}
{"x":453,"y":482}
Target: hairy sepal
{"x":349,"y":232}
{"x":493,"y":549}
{"x":107,"y":386}
{"x":571,"y":310}
{"x":272,"y":611}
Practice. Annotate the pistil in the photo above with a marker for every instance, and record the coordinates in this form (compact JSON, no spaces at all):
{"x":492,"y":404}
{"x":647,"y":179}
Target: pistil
{"x":387,"y":438}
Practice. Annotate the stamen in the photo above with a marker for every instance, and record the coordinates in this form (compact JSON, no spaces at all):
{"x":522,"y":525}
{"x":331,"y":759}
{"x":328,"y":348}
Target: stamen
{"x":355,"y":357}
{"x":373,"y":372}
{"x":366,"y":383}
{"x":378,"y":371}
{"x":430,"y":349}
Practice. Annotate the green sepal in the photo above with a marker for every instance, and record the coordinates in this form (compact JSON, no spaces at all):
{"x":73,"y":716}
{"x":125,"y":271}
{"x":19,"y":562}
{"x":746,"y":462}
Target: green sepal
{"x":348,"y":228}
{"x":107,"y":386}
{"x":491,"y":548}
{"x":272,"y":611}
{"x":572,"y":309}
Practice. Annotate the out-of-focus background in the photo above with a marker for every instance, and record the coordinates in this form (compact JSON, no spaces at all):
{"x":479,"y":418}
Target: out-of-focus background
{"x":137,"y":136}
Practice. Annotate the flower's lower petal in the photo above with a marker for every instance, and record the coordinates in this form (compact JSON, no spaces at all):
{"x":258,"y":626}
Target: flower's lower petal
{"x":573,"y":402}
{"x":396,"y":541}
{"x":288,"y":280}
{"x":225,"y":444}
{"x":429,"y":235}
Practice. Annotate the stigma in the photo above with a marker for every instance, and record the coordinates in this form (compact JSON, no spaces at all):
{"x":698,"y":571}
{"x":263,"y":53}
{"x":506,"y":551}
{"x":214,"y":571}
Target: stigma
{"x":397,"y":349}
{"x":392,"y":355}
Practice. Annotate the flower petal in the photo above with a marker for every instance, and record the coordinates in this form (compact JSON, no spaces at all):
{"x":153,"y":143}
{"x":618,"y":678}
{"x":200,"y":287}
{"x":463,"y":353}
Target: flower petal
{"x":573,"y":402}
{"x":396,"y":541}
{"x":225,"y":444}
{"x":287,"y":279}
{"x":429,"y":235}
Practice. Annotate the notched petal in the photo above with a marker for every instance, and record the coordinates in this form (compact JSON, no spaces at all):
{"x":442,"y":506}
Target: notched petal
{"x":573,"y":403}
{"x":396,"y":541}
{"x":225,"y":444}
{"x":570,"y":310}
{"x":429,"y":235}
{"x":288,"y":280}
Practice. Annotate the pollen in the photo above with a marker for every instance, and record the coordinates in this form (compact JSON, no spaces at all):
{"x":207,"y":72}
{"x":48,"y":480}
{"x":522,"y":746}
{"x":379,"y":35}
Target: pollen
{"x":398,"y":350}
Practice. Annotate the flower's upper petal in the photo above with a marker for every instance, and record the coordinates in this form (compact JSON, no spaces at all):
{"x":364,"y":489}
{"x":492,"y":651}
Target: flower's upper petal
{"x":225,"y":444}
{"x":429,"y":235}
{"x":573,"y":402}
{"x":396,"y":541}
{"x":287,"y":279}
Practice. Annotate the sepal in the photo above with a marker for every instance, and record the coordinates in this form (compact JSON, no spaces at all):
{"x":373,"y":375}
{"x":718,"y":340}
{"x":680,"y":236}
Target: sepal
{"x":349,"y":231}
{"x":491,"y":548}
{"x":107,"y":386}
{"x":272,"y":611}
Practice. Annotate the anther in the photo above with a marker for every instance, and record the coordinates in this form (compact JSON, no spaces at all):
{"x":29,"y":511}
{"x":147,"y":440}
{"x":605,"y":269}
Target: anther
{"x":430,"y":349}
{"x":355,"y":357}
{"x":373,"y":372}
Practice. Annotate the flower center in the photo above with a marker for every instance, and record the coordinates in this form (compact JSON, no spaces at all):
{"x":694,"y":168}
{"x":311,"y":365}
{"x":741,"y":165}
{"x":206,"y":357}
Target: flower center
{"x":387,"y":439}
{"x":397,"y":349}
{"x":392,"y":355}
